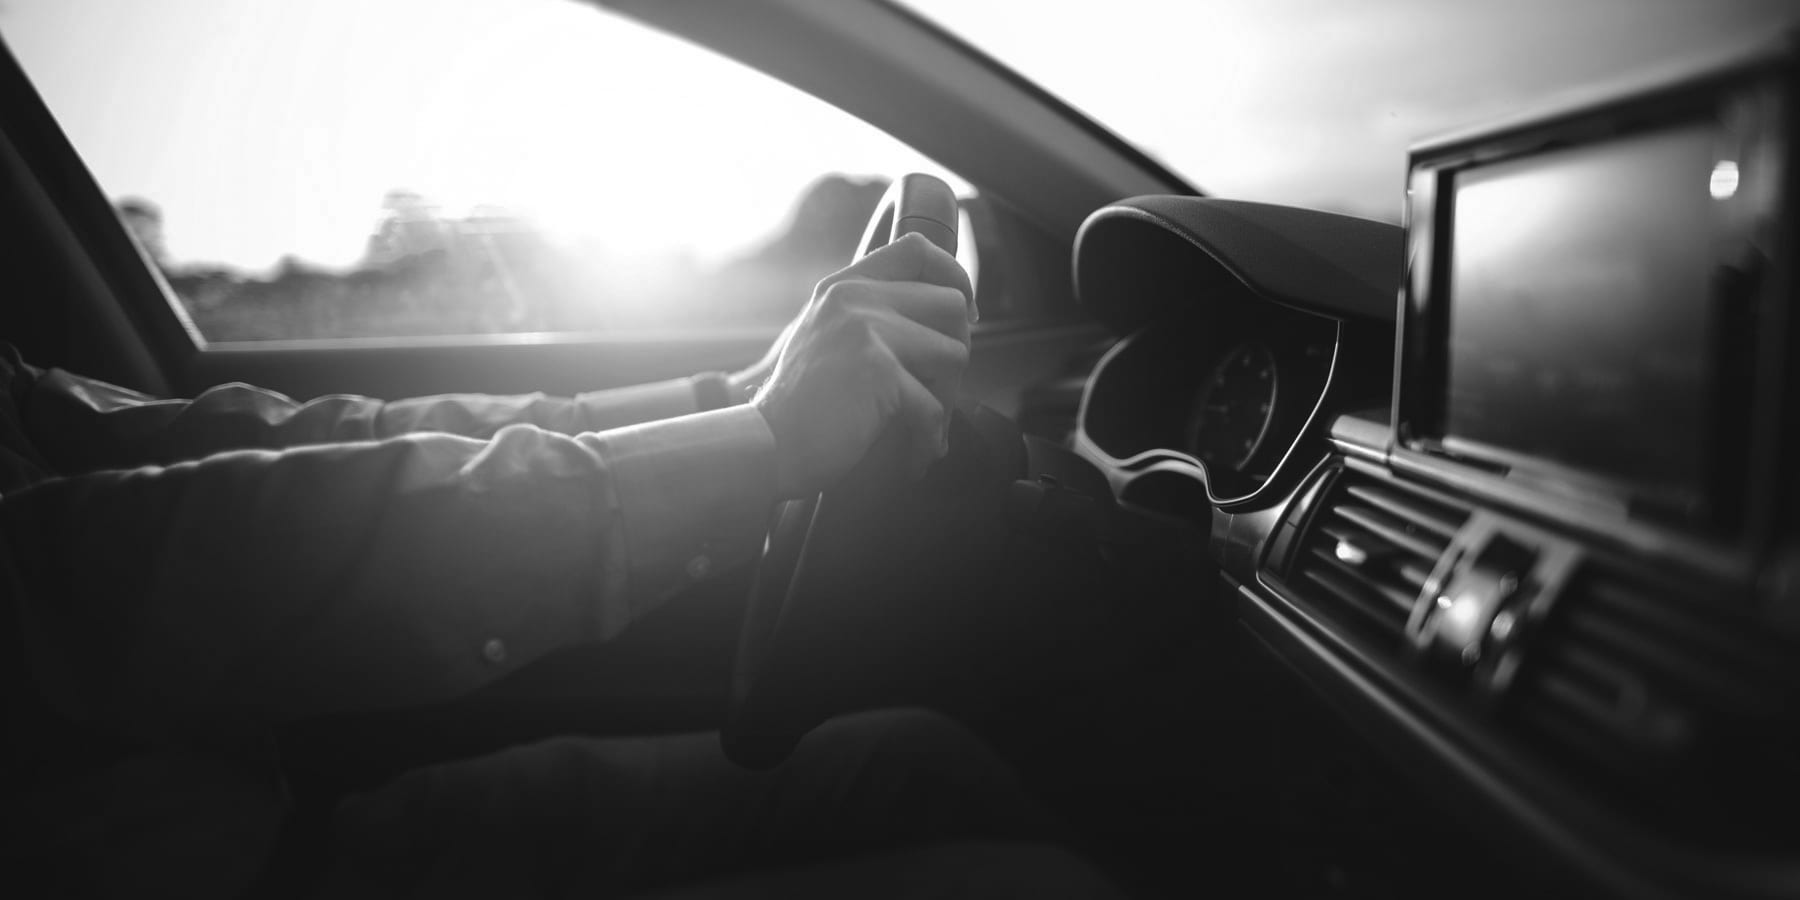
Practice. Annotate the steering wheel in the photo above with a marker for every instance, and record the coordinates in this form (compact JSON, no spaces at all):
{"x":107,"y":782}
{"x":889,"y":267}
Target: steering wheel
{"x":812,"y":541}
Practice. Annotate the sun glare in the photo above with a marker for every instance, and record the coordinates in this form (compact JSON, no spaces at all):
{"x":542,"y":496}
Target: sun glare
{"x":280,"y":133}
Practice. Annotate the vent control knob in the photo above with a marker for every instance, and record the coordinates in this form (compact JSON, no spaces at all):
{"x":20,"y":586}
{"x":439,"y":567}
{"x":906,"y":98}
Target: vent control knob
{"x":1455,"y":626}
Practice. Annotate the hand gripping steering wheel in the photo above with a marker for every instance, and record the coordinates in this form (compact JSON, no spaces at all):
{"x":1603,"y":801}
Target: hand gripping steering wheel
{"x":772,"y":707}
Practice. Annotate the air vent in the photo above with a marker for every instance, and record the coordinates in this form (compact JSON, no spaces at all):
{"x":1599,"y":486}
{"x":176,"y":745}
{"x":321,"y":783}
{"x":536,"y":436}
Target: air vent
{"x":1369,"y":550}
{"x":1677,"y":693}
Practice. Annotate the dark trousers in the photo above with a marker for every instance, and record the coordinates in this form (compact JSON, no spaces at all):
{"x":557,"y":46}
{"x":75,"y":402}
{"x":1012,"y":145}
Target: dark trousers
{"x":897,"y":804}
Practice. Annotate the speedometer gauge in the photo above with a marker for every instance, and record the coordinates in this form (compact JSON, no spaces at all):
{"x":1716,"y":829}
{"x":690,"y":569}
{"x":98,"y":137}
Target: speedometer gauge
{"x":1233,"y":407}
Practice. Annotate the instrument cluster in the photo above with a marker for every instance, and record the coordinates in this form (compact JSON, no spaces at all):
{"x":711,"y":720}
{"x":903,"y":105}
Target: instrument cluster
{"x":1217,"y":394}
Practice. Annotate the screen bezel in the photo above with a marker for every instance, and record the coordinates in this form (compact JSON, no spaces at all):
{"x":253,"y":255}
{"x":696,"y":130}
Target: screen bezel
{"x":1747,"y":116}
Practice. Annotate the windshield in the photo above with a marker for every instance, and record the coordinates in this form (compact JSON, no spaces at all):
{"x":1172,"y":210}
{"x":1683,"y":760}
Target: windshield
{"x":1314,"y":102}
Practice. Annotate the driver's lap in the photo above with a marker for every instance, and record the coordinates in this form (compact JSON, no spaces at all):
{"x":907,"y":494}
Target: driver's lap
{"x":598,"y":817}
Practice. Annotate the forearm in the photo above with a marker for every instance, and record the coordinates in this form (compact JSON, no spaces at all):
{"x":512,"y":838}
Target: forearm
{"x":481,"y":416}
{"x":83,"y":425}
{"x":268,"y":586}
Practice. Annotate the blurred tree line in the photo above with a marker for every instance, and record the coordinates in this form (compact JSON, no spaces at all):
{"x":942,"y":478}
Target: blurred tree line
{"x":489,"y":272}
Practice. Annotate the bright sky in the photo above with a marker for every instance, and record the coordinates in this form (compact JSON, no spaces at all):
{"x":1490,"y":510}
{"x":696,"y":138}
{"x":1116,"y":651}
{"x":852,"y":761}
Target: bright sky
{"x":272,"y":126}
{"x":1314,"y":102}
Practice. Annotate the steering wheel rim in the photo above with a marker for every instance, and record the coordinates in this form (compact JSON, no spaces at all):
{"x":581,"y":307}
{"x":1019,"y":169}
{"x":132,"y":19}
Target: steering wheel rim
{"x":761,"y":730}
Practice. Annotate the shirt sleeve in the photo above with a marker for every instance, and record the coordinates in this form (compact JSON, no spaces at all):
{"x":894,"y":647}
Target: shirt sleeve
{"x":268,"y":585}
{"x":81,"y":425}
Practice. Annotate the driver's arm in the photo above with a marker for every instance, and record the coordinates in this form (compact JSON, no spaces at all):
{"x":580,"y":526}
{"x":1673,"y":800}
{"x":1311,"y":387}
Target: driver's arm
{"x":269,"y":585}
{"x":81,"y":424}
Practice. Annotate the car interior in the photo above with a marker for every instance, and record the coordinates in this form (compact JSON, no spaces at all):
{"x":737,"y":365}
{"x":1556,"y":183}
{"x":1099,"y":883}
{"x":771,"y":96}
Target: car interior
{"x":1283,"y":552}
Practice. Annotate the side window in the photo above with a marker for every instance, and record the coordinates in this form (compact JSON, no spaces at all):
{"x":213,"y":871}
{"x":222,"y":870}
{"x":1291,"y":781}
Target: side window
{"x":402,"y":168}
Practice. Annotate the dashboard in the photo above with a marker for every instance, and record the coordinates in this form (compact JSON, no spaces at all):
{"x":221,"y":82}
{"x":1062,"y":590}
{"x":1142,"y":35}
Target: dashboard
{"x":1215,"y":393}
{"x":1508,"y":486}
{"x":1234,"y":355}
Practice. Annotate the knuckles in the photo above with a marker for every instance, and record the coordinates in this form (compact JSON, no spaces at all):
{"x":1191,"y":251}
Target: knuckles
{"x":911,"y":245}
{"x":850,"y":331}
{"x":840,"y":298}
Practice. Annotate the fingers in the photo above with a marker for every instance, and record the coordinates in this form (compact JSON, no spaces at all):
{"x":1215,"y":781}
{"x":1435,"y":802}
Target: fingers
{"x":935,"y":360}
{"x":909,"y":258}
{"x":920,"y":325}
{"x":936,"y":307}
{"x":926,"y":423}
{"x":914,"y":360}
{"x":882,"y":345}
{"x":927,"y":370}
{"x":931,"y":355}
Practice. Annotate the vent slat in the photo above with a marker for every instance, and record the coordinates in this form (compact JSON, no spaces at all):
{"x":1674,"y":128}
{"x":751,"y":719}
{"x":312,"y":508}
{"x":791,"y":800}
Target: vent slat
{"x":1368,"y":555}
{"x":1380,"y":558}
{"x":1669,"y":621}
{"x":1396,"y":598}
{"x":1595,"y":668}
{"x":1634,"y":721}
{"x":1351,"y":596}
{"x":1412,"y":573}
{"x":1367,"y":517}
{"x":1664,"y":691}
{"x":1419,"y":512}
{"x":1631,"y":647}
{"x":1581,"y":697}
{"x":1568,"y":715}
{"x":1411,"y":570}
{"x":1415,"y":575}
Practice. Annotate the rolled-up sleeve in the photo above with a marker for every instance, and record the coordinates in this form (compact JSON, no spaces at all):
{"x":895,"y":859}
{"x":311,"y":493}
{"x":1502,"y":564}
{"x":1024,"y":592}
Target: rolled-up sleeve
{"x":81,"y":424}
{"x":277,"y":584}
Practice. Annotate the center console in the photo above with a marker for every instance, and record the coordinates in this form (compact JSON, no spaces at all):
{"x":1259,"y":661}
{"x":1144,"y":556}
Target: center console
{"x":1563,"y":569}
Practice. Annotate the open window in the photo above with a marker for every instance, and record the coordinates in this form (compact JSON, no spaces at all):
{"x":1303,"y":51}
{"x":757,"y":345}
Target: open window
{"x":346,"y":171}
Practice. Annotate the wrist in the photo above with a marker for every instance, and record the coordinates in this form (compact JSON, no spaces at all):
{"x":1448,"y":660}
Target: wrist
{"x":787,"y":467}
{"x":693,"y":494}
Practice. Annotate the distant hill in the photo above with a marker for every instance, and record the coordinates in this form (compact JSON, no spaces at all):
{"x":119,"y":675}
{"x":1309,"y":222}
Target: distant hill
{"x":826,"y":222}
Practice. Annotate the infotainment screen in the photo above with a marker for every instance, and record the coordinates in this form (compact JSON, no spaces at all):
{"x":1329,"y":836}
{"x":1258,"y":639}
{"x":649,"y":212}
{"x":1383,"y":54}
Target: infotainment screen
{"x":1578,"y":320}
